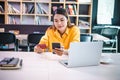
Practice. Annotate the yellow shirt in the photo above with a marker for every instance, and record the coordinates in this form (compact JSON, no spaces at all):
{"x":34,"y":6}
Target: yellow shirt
{"x":52,"y":35}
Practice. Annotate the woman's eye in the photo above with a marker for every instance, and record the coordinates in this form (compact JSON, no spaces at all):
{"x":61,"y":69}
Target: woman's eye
{"x":62,"y":20}
{"x":55,"y":21}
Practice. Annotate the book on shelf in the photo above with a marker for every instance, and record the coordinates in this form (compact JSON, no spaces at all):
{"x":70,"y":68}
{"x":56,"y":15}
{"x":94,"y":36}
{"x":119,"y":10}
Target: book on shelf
{"x":41,"y":20}
{"x":43,"y":0}
{"x":32,"y":9}
{"x":83,"y":1}
{"x":12,"y":20}
{"x":14,"y":0}
{"x":55,"y":7}
{"x":45,"y":8}
{"x":1,"y":9}
{"x":12,"y":9}
{"x":39,"y":9}
{"x":28,"y":0}
{"x":71,"y":0}
{"x":28,"y":8}
{"x":61,"y":0}
{"x":42,"y":8}
{"x":24,"y":8}
{"x":55,"y":0}
{"x":71,"y":10}
{"x":67,"y":9}
{"x":83,"y":24}
{"x":74,"y":9}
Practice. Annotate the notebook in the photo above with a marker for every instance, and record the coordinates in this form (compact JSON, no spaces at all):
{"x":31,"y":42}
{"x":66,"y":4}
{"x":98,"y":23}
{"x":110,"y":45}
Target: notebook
{"x":83,"y":54}
{"x":10,"y":63}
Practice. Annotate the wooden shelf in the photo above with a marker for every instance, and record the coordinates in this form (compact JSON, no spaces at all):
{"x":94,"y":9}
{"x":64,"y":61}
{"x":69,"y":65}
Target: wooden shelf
{"x":35,"y":11}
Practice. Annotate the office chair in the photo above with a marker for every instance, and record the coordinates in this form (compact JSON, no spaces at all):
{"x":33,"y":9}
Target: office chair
{"x":111,"y":33}
{"x":86,"y":37}
{"x":6,"y":41}
{"x":33,"y":39}
{"x":23,"y":45}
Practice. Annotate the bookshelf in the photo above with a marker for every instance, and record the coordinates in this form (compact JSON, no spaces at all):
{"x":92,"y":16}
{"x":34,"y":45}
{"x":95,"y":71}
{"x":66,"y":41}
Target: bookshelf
{"x":2,"y":11}
{"x":38,"y":12}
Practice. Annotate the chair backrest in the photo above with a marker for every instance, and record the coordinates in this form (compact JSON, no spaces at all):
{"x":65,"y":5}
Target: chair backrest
{"x":7,"y":38}
{"x":34,"y":38}
{"x":86,"y":37}
{"x":109,"y":32}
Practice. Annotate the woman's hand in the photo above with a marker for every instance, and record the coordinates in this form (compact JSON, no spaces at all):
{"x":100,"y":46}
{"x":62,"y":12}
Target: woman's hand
{"x":60,"y":51}
{"x":38,"y":49}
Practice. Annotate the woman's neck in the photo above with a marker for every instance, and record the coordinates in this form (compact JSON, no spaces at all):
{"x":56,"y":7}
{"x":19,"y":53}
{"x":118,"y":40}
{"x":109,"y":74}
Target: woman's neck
{"x":61,"y":32}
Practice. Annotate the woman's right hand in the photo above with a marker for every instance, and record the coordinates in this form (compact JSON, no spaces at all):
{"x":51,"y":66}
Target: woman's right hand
{"x":37,"y":49}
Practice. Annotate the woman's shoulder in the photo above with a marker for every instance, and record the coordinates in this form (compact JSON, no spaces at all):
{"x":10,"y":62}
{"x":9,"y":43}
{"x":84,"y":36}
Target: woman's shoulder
{"x":50,"y":29}
{"x":74,"y":27}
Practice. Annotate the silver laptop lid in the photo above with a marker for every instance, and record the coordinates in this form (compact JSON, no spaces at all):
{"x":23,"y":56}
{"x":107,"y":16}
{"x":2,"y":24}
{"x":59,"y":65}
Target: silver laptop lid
{"x":84,"y":53}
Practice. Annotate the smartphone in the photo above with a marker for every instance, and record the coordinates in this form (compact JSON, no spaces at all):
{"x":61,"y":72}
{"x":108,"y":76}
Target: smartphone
{"x":43,"y":46}
{"x":55,"y":45}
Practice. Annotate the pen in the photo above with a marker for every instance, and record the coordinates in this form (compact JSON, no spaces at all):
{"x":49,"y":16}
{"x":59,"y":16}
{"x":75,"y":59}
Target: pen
{"x":21,"y":62}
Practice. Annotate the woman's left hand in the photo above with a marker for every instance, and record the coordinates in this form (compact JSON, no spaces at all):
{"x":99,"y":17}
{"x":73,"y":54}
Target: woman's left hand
{"x":58,"y":51}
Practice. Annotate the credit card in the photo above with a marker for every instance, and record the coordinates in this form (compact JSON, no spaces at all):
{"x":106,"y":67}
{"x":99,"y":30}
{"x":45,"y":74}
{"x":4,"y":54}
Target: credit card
{"x":42,"y":46}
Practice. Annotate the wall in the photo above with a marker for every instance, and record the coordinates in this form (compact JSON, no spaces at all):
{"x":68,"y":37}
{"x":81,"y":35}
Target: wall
{"x":94,"y":12}
{"x":116,"y":19}
{"x":25,"y":29}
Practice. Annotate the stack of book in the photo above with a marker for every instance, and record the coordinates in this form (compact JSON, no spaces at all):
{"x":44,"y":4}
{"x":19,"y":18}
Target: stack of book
{"x":83,"y":24}
{"x":10,"y":63}
{"x":71,"y":9}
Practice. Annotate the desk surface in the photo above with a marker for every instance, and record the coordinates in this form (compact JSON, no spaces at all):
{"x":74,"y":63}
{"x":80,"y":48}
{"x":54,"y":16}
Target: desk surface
{"x":21,"y":36}
{"x":99,"y":37}
{"x":46,"y":67}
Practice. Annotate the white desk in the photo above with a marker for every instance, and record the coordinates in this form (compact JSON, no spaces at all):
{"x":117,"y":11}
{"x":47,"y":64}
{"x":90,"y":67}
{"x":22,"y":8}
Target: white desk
{"x":99,"y":37}
{"x":21,"y":36}
{"x":46,"y":67}
{"x":22,"y":39}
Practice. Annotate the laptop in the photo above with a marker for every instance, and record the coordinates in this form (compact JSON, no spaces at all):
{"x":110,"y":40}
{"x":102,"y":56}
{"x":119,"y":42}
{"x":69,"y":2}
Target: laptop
{"x":83,"y":54}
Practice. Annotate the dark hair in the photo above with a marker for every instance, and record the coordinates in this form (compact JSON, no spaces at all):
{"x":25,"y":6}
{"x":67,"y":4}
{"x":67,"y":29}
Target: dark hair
{"x":63,"y":11}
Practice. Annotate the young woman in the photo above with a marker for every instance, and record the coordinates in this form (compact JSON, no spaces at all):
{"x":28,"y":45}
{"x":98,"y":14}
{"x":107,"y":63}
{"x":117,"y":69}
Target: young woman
{"x":61,"y":32}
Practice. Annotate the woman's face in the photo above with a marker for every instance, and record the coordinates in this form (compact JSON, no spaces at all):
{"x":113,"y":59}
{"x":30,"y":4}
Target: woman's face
{"x":60,"y":22}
